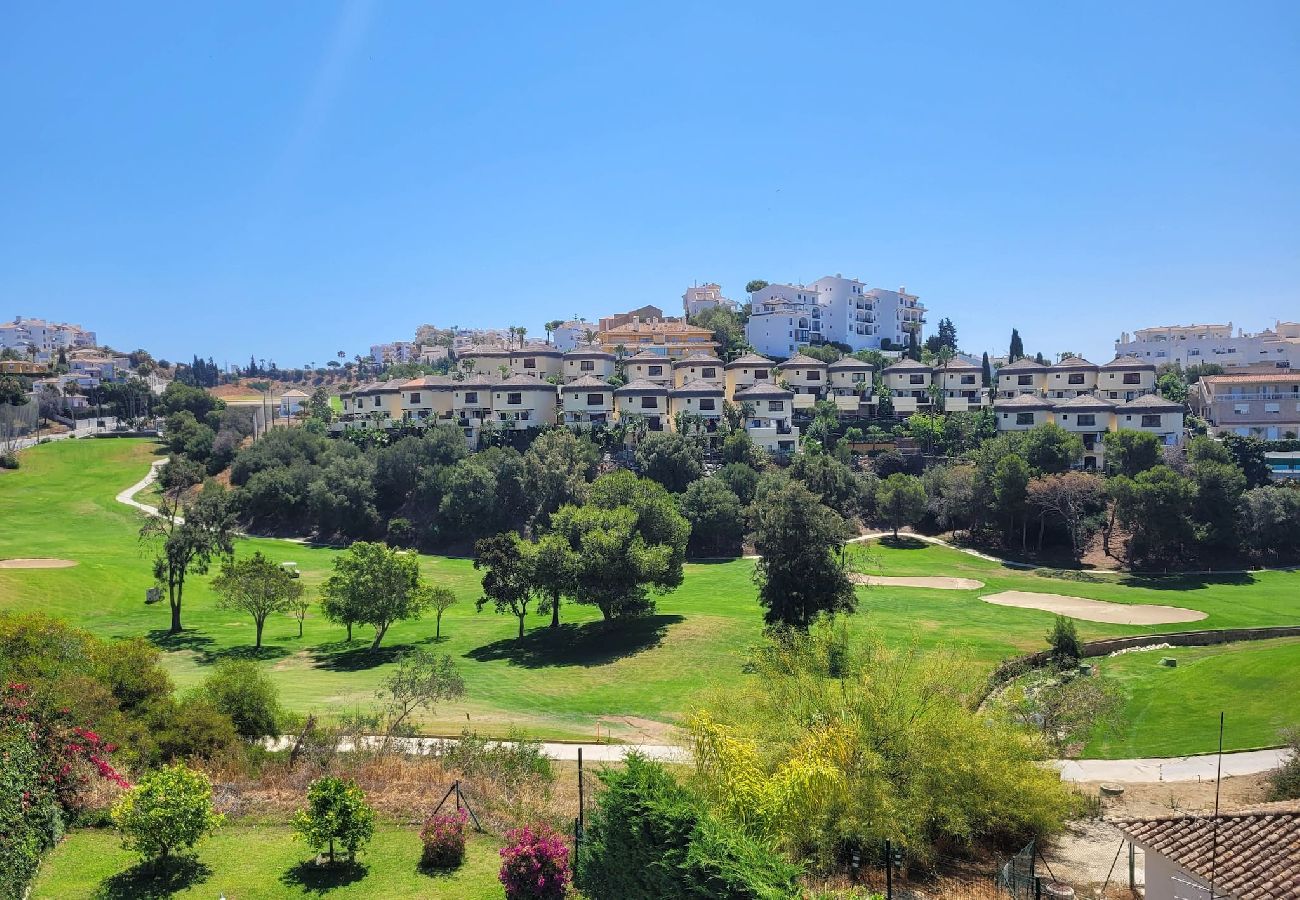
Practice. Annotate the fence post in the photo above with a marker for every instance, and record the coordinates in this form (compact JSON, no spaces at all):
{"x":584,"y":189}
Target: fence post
{"x":581,"y":816}
{"x":889,"y":872}
{"x":1131,"y":854}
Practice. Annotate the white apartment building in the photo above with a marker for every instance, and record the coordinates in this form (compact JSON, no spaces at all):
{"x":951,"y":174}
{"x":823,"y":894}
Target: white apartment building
{"x":27,"y":334}
{"x":831,"y":309}
{"x":1188,"y":345}
{"x":705,"y":296}
{"x":394,"y":352}
{"x":572,"y":334}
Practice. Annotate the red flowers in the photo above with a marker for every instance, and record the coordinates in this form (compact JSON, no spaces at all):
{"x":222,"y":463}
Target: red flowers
{"x":535,"y":865}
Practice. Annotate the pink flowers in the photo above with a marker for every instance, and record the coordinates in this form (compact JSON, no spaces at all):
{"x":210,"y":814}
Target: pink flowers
{"x":535,"y":865}
{"x":443,"y":837}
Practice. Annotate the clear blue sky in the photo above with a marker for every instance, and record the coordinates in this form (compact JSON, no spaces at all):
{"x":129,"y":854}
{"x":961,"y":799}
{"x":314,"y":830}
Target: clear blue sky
{"x":290,"y":179}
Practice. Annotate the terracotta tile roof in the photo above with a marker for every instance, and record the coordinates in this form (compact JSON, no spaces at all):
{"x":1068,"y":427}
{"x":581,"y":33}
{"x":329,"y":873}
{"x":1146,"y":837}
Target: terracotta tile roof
{"x":1024,"y":402}
{"x":957,"y":364}
{"x":907,"y":365}
{"x":1128,"y":362}
{"x":588,"y":353}
{"x":764,"y":391}
{"x":852,"y":364}
{"x":536,"y":350}
{"x":429,"y":381}
{"x":698,"y":359}
{"x":750,"y":359}
{"x":641,"y":386}
{"x":801,"y":361}
{"x":1152,"y":402}
{"x":697,"y":388}
{"x":648,"y":356}
{"x":1085,"y":402}
{"x":588,"y":381}
{"x":1244,"y":378}
{"x":1024,"y":364}
{"x":1257,"y":857}
{"x":524,"y":383}
{"x":1075,"y":362}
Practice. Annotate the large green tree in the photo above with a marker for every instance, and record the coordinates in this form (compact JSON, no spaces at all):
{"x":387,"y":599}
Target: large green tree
{"x":1131,"y":452}
{"x":508,"y":564}
{"x":257,"y":586}
{"x":801,"y":571}
{"x":900,"y":500}
{"x":629,"y":539}
{"x":717,"y":520}
{"x":374,"y":584}
{"x":1155,"y":507}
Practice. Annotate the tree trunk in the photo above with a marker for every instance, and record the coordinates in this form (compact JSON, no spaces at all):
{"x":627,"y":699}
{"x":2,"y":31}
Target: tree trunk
{"x":258,"y":623}
{"x":176,"y":617}
{"x":555,"y":613}
{"x":1042,"y":525}
{"x":349,"y":632}
{"x":300,"y":628}
{"x":380,"y":630}
{"x":1024,"y":533}
{"x":521,"y":628}
{"x":437,"y":625}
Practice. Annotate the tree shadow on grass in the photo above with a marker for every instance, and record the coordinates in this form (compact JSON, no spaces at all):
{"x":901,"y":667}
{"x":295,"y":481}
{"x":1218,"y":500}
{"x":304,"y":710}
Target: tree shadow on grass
{"x":201,"y":645}
{"x":185,"y":640}
{"x":903,"y":542}
{"x":151,"y":880}
{"x":591,"y":644}
{"x":359,"y":657}
{"x":1187,"y":582}
{"x":315,"y":879}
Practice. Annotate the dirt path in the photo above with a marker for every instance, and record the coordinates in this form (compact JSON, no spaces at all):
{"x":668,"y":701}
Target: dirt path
{"x":940,"y":582}
{"x":37,"y":563}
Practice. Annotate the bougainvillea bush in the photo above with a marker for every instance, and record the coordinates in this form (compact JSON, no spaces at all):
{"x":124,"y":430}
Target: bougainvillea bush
{"x":46,"y":763}
{"x":535,"y":865}
{"x":443,"y":836}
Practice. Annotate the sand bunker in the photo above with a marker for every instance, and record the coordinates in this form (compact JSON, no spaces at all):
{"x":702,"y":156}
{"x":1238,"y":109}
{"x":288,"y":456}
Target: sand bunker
{"x":37,"y":563}
{"x":943,"y":583}
{"x":1095,"y":610}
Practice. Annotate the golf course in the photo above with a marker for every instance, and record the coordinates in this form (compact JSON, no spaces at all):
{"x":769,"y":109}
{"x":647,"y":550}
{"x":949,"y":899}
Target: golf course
{"x":632,"y":682}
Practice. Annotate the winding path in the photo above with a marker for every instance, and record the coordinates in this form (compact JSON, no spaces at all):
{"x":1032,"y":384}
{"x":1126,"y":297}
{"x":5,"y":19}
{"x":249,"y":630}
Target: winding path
{"x":1128,"y":771}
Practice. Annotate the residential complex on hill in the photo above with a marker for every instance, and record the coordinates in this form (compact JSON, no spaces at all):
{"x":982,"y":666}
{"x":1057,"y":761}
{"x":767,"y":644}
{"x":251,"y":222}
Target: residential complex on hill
{"x":37,"y":336}
{"x":1189,"y":345}
{"x":1262,"y":404}
{"x":833,"y":309}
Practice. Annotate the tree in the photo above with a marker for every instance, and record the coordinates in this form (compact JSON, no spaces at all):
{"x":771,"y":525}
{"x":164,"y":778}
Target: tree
{"x":1063,"y":638}
{"x":1017,"y":349}
{"x":1068,"y":710}
{"x":672,"y":459}
{"x":557,"y":466}
{"x":740,"y":479}
{"x":421,"y":680}
{"x":801,"y":571}
{"x":913,"y":345}
{"x":628,"y":539}
{"x":555,"y":572}
{"x":1077,"y":499}
{"x":169,"y":810}
{"x":986,"y":371}
{"x":1049,"y":448}
{"x":298,"y":608}
{"x":336,"y":811}
{"x":1011,"y":490}
{"x":900,"y":500}
{"x":1270,"y":519}
{"x":1248,"y":455}
{"x":1131,"y":452}
{"x":441,"y":599}
{"x":754,"y":286}
{"x":717,"y":521}
{"x":1172,"y":386}
{"x":1219,"y":487}
{"x":257,"y":586}
{"x":1154,"y":507}
{"x":188,"y":536}
{"x":373,"y":584}
{"x":241,"y":689}
{"x":947,"y":334}
{"x":507,"y":561}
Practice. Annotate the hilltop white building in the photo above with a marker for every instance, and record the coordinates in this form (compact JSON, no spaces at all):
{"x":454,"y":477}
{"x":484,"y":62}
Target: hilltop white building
{"x":26,"y":334}
{"x":831,"y":309}
{"x":1188,"y":345}
{"x":705,"y":296}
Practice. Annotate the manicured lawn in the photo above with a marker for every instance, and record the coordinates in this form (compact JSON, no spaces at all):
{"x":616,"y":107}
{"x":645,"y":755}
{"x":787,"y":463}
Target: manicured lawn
{"x":578,"y":684}
{"x":1171,"y":709}
{"x":250,"y":862}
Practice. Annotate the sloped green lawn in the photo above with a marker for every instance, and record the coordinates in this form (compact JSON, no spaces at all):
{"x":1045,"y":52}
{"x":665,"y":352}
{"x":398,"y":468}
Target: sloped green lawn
{"x":583,"y":682}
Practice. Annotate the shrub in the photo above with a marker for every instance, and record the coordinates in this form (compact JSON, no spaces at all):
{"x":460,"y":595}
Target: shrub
{"x":1067,"y":649}
{"x":170,"y":810}
{"x":243,"y":691}
{"x":9,"y":461}
{"x":443,"y":837}
{"x":1284,"y":783}
{"x":514,"y":760}
{"x":336,"y":811}
{"x":535,"y":865}
{"x":650,"y":837}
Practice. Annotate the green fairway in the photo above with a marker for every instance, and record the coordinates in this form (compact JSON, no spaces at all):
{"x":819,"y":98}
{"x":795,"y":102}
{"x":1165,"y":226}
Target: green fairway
{"x":585,"y":681}
{"x":250,"y":862}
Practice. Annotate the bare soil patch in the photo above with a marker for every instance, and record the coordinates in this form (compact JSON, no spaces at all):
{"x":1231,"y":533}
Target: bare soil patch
{"x":37,"y":563}
{"x":940,"y":582}
{"x":1095,"y":610}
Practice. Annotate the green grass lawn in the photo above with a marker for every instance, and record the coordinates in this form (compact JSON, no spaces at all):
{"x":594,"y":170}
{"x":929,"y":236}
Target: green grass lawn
{"x":250,"y":862}
{"x":583,"y":682}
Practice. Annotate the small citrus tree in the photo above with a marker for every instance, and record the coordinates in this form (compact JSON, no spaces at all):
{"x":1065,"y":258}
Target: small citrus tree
{"x":169,"y":810}
{"x":336,"y":811}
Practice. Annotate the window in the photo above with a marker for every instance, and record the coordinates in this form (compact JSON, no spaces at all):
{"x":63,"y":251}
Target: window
{"x":655,"y":370}
{"x":648,"y":403}
{"x":776,"y":406}
{"x":1024,"y":379}
{"x":415,"y":397}
{"x":968,"y":379}
{"x":376,"y":401}
{"x":586,"y":365}
{"x":1132,"y":377}
{"x":918,"y":378}
{"x":1272,"y":407}
{"x":1075,"y":378}
{"x":530,"y":362}
{"x":710,"y":372}
{"x":1151,"y":421}
{"x":1241,"y":408}
{"x":471,"y":396}
{"x":708,"y":403}
{"x":514,"y":399}
{"x":1025,"y":418}
{"x":595,"y":399}
{"x":814,"y":376}
{"x":859,"y":377}
{"x":760,"y":374}
{"x":1088,"y":419}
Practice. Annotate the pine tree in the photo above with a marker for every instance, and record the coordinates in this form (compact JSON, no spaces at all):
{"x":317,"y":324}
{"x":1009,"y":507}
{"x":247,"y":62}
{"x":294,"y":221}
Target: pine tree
{"x":986,"y":369}
{"x":947,"y":334}
{"x":1017,"y":347}
{"x":913,"y":347}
